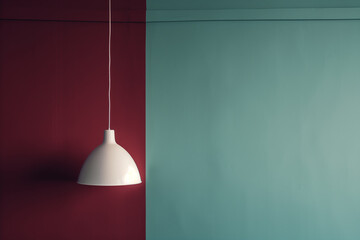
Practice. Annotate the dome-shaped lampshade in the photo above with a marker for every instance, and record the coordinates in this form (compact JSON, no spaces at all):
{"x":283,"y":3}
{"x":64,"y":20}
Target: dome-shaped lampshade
{"x":109,"y":165}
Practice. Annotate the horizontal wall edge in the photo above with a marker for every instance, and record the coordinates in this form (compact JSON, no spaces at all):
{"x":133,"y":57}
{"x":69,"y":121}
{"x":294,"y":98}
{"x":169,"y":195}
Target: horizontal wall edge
{"x":60,"y":15}
{"x":153,"y":16}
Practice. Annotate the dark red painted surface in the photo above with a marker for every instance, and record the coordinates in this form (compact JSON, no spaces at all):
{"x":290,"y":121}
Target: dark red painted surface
{"x":53,"y":111}
{"x":123,"y":10}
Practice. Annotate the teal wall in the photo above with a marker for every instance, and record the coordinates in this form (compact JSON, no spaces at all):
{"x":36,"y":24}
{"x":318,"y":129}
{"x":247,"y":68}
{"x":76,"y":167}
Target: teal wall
{"x":253,"y":130}
{"x":248,"y":4}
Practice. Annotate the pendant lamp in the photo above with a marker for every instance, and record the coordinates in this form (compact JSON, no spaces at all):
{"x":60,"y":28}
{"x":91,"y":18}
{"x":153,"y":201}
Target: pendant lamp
{"x":109,"y":164}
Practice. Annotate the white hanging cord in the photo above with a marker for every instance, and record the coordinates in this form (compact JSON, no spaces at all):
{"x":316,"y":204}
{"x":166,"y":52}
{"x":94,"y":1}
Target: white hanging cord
{"x":109,"y":62}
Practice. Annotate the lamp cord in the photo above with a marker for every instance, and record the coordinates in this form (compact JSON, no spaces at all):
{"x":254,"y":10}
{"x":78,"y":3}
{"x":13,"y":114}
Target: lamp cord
{"x":109,"y":90}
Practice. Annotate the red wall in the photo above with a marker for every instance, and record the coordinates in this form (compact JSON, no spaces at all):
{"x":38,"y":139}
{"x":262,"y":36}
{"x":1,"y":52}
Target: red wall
{"x":53,"y":111}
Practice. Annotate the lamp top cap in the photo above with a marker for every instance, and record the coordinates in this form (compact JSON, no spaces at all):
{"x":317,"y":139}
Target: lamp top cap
{"x":109,"y":136}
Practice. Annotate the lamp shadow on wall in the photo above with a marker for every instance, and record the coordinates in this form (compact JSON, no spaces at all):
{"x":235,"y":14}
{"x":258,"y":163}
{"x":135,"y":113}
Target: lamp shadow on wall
{"x":50,"y":178}
{"x":53,"y":169}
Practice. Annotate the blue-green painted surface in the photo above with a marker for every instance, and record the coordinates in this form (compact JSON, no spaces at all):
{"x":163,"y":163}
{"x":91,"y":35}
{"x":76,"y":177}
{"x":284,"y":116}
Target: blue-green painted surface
{"x":248,"y":4}
{"x":253,"y":130}
{"x":155,"y":16}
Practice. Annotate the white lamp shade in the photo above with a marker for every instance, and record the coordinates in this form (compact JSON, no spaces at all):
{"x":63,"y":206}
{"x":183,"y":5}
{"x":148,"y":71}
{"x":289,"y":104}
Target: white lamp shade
{"x":109,"y":165}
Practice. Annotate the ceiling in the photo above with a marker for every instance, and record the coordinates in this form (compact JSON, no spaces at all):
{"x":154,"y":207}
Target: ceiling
{"x":134,"y":10}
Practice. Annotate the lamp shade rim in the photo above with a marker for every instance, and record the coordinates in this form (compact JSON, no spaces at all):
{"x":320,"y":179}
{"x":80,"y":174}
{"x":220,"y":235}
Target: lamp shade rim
{"x":108,"y":185}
